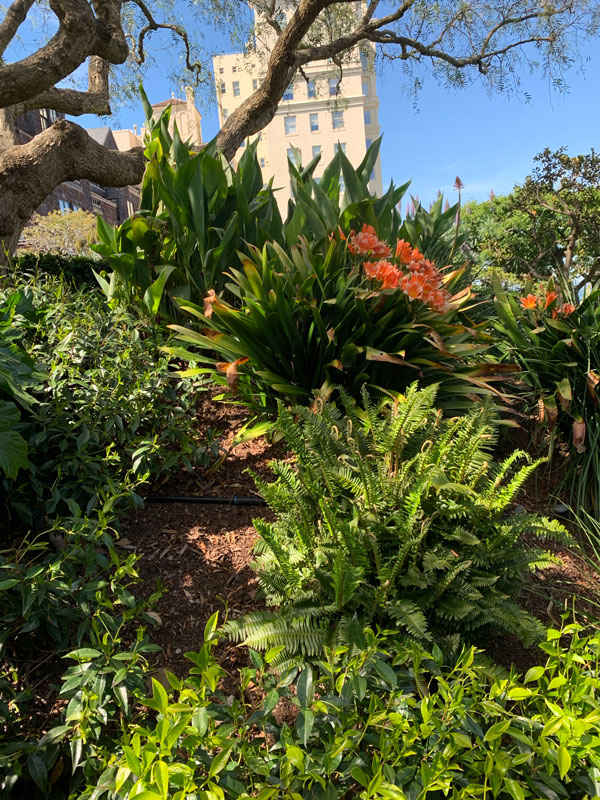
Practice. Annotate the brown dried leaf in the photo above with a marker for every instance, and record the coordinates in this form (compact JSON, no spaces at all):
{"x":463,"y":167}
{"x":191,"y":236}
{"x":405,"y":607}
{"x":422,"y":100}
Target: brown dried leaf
{"x":579,"y":430}
{"x":208,"y":303}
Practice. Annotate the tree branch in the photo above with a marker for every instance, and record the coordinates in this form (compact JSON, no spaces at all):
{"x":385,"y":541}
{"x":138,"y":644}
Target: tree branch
{"x":14,"y":18}
{"x":153,"y":25}
{"x":80,"y":35}
{"x":96,"y":100}
{"x":259,"y":109}
{"x":61,"y":153}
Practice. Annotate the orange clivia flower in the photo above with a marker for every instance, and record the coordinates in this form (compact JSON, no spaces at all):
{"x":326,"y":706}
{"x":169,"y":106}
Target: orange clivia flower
{"x":404,"y":251}
{"x":407,"y":254}
{"x":568,"y":308}
{"x":367,"y":242}
{"x":383,"y":271}
{"x":530,"y":301}
{"x":550,"y":298}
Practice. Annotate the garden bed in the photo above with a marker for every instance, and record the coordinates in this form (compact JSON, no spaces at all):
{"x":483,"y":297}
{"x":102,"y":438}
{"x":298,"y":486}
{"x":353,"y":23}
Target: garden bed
{"x":201,"y":554}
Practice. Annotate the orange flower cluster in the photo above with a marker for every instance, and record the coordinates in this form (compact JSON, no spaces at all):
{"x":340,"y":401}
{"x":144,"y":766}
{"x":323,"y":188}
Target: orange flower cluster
{"x":422,"y":281}
{"x":532,"y":301}
{"x":367,"y":243}
{"x":389,"y":275}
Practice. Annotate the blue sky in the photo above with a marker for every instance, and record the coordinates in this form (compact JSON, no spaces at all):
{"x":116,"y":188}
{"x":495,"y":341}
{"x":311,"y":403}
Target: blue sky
{"x":489,"y":141}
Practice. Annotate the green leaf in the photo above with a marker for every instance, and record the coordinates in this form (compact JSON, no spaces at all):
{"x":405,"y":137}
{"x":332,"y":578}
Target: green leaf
{"x":161,"y":777}
{"x":38,"y":771}
{"x":534,"y":674}
{"x":219,"y":761}
{"x":514,"y":789}
{"x":564,"y":761}
{"x":270,"y":702}
{"x":496,"y":730}
{"x":211,"y":626}
{"x":304,"y":724}
{"x":13,"y":447}
{"x":153,"y":294}
{"x":84,"y":654}
{"x":304,"y":687}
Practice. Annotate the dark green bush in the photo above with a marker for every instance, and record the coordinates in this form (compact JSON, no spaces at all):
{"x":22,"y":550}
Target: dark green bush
{"x":107,"y":410}
{"x":394,"y":515}
{"x":76,"y":270}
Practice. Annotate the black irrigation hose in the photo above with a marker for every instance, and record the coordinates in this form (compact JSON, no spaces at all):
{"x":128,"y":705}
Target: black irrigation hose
{"x":213,"y":501}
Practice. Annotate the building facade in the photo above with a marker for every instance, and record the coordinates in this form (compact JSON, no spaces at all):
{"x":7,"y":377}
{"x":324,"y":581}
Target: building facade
{"x":327,"y":110}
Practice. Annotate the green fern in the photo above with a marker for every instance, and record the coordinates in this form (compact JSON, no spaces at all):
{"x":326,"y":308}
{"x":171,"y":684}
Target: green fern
{"x":392,"y":514}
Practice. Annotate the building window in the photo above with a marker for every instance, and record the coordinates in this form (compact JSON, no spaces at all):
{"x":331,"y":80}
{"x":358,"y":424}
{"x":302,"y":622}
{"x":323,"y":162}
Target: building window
{"x":243,"y":144}
{"x":337,"y":120}
{"x":289,"y":124}
{"x":77,"y":184}
{"x":342,"y":185}
{"x":236,"y":88}
{"x":316,"y":151}
{"x":254,"y":84}
{"x":340,"y":146}
{"x":234,"y":69}
{"x":96,"y":203}
{"x":314,"y":122}
{"x":225,"y":113}
{"x":262,"y":162}
{"x":312,"y":89}
{"x":369,"y":143}
{"x":64,"y":206}
{"x":221,"y":70}
{"x":367,"y":116}
{"x":364,"y":60}
{"x":130,"y":207}
{"x":48,"y":116}
{"x":292,"y":155}
{"x":223,"y":87}
{"x":365,"y":88}
{"x":333,"y":87}
{"x":289,"y":92}
{"x":280,"y":19}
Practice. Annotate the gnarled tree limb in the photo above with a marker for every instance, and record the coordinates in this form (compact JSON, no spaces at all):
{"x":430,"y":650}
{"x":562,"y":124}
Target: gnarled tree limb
{"x":63,"y":152}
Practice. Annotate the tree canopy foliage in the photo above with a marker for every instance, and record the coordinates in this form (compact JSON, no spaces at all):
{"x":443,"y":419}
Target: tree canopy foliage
{"x":547,"y":227}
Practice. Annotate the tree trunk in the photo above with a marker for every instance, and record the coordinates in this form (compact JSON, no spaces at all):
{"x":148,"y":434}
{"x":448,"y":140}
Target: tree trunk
{"x":63,"y":152}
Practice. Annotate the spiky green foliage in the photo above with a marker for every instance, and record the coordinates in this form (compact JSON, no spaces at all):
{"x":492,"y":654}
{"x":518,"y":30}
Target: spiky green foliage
{"x":394,"y":515}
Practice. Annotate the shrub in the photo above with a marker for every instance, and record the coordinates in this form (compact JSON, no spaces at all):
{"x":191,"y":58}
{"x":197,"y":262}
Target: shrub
{"x":76,"y":270}
{"x":388,"y":722}
{"x":557,"y":346}
{"x":103,"y":411}
{"x":343,"y":312}
{"x":396,"y":516}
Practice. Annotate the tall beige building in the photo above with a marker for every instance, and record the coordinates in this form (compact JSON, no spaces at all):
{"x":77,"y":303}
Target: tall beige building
{"x":315,"y":116}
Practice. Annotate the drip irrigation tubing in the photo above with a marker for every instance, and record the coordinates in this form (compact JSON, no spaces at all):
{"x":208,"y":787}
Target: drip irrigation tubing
{"x":213,"y":501}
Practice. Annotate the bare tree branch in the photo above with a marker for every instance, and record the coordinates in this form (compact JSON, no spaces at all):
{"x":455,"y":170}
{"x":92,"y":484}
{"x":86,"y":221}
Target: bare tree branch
{"x":14,"y":18}
{"x":153,"y":25}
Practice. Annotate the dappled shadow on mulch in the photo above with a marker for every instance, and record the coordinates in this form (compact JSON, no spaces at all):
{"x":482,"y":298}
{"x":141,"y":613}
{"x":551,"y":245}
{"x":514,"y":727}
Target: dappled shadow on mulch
{"x":201,"y":554}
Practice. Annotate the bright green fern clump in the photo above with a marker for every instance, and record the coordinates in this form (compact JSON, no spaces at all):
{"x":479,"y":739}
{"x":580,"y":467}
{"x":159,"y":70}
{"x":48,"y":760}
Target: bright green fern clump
{"x":392,"y":514}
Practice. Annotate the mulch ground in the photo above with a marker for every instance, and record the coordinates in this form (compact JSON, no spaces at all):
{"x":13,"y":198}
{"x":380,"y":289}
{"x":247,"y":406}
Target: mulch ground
{"x":201,"y":554}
